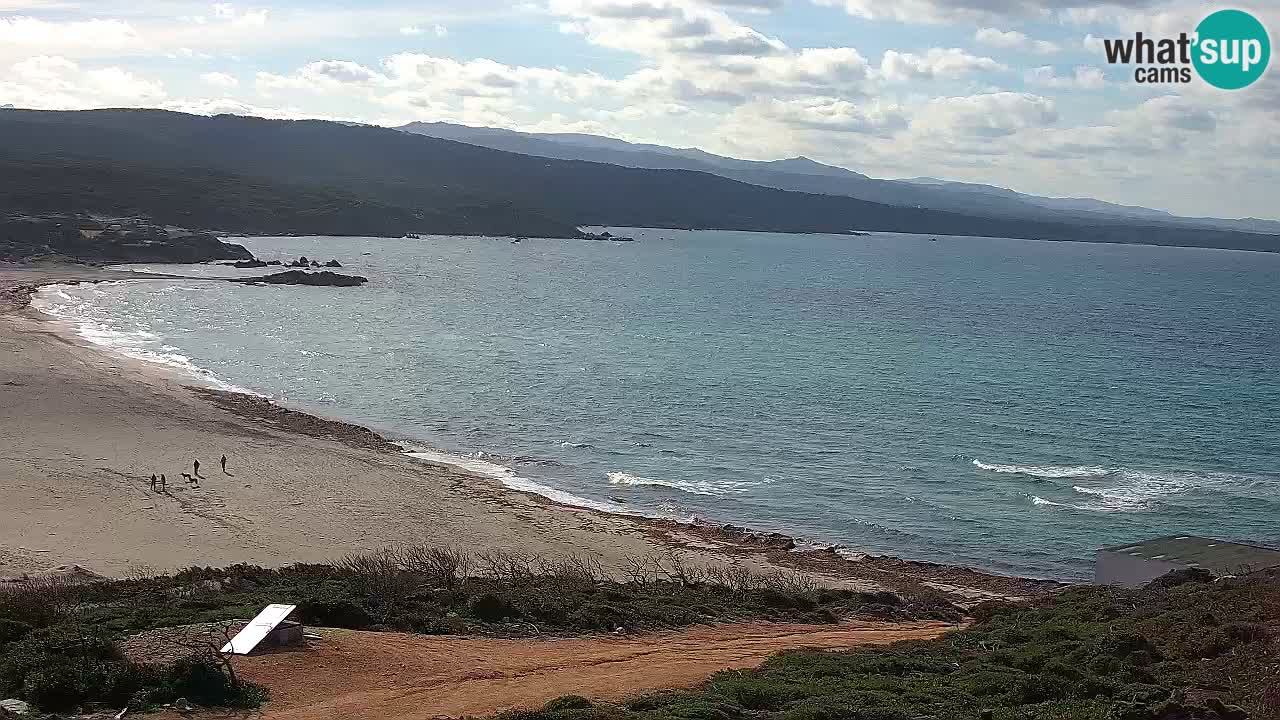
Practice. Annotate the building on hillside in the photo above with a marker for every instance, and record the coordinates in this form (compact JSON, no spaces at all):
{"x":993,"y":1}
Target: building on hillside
{"x":1136,"y":564}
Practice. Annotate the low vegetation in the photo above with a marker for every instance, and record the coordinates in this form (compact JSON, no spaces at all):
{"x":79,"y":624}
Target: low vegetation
{"x":1186,"y":647}
{"x":60,"y":639}
{"x":1183,"y":648}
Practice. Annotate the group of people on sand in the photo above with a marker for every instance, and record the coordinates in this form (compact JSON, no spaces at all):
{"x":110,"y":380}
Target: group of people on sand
{"x":161,"y":484}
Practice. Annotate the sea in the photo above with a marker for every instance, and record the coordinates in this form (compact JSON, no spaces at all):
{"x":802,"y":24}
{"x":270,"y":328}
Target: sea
{"x":1010,"y":405}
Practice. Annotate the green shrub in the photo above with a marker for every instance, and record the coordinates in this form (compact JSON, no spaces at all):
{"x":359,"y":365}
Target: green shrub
{"x":492,"y":608}
{"x":57,"y":688}
{"x":567,"y":702}
{"x":340,"y":613}
{"x":11,"y":630}
{"x":62,"y":668}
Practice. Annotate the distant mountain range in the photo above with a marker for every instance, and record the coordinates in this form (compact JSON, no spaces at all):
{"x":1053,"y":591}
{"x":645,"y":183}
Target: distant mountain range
{"x":806,"y":175}
{"x":255,"y":175}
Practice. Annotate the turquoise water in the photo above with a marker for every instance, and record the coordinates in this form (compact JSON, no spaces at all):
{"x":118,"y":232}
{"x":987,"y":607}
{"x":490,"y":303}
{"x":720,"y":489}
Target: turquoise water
{"x":1004,"y":404}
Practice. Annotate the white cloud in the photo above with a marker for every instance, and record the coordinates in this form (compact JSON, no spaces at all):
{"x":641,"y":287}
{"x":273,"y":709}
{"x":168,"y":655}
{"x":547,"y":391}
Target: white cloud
{"x":1000,"y":38}
{"x":227,"y":106}
{"x":663,"y":27}
{"x":229,"y":12}
{"x":58,"y":83}
{"x":1012,"y":39}
{"x":21,"y":36}
{"x":973,"y":11}
{"x":1086,"y":77}
{"x":872,"y":118}
{"x":414,"y":30}
{"x":947,"y":63}
{"x":220,"y":79}
{"x":320,"y":76}
{"x":985,"y":116}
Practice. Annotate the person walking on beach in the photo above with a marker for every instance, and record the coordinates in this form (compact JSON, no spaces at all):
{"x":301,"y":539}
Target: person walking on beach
{"x":153,"y":482}
{"x":196,"y":466}
{"x":224,"y":465}
{"x":164,"y":485}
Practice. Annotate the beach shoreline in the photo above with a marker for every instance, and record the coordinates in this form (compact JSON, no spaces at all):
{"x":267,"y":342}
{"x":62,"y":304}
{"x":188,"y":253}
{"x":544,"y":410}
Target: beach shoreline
{"x":294,"y":511}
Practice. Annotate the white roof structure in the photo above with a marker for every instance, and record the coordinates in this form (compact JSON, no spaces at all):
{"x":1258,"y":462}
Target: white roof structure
{"x":247,"y":639}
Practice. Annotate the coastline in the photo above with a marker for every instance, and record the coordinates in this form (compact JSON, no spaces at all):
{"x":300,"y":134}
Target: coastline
{"x":289,"y":507}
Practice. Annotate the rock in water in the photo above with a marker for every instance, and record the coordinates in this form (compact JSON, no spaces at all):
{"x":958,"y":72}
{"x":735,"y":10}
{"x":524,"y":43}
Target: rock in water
{"x":333,"y":263}
{"x":300,"y":277}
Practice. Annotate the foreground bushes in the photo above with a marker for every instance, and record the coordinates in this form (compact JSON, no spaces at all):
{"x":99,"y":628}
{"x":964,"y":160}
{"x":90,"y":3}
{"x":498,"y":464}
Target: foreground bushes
{"x":1180,"y":649}
{"x":65,"y":667}
{"x":49,"y":655}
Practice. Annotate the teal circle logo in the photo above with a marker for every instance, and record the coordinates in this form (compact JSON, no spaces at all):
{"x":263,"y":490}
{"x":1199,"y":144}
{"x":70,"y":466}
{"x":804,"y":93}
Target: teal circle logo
{"x":1232,"y":49}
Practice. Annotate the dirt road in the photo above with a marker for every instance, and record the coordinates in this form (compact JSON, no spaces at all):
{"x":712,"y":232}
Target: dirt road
{"x":367,"y":676}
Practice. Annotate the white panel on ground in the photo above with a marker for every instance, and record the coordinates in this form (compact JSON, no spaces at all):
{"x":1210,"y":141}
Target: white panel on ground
{"x":247,"y":639}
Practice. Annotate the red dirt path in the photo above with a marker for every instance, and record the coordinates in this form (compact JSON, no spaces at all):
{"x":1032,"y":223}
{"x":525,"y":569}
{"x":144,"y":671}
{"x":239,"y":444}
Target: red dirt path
{"x":367,"y":676}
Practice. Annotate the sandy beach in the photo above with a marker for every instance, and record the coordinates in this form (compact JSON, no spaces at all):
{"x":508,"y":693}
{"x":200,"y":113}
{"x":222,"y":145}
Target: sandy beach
{"x":85,"y":429}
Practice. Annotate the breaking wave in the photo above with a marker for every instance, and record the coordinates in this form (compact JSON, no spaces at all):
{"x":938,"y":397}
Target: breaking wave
{"x":711,"y":488}
{"x":1044,"y":471}
{"x":1045,"y":502}
{"x":95,"y":325}
{"x":509,"y":478}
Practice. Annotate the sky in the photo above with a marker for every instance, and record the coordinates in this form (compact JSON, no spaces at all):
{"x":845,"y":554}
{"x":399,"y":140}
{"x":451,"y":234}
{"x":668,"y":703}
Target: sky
{"x":1014,"y":93}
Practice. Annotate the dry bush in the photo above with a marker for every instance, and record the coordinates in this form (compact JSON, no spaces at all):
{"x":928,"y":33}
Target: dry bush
{"x":38,"y":600}
{"x":793,"y":583}
{"x":575,"y":569}
{"x":737,"y":578}
{"x":637,"y":569}
{"x":511,"y":566}
{"x":672,"y":567}
{"x":379,"y":575}
{"x":447,"y":567}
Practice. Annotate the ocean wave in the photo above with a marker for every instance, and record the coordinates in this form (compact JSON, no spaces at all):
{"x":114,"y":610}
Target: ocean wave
{"x":510,"y":479}
{"x":1123,"y":489}
{"x":1045,"y":502}
{"x":139,"y":343}
{"x":699,"y":487}
{"x":1044,"y":471}
{"x":1139,"y":490}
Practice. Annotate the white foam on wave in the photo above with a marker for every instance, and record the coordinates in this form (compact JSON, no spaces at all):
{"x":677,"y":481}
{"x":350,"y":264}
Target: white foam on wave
{"x":1139,"y":489}
{"x":509,"y":478}
{"x":95,"y":325}
{"x":1123,"y":489}
{"x":1044,"y":471}
{"x":1045,"y":502}
{"x":700,"y":487}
